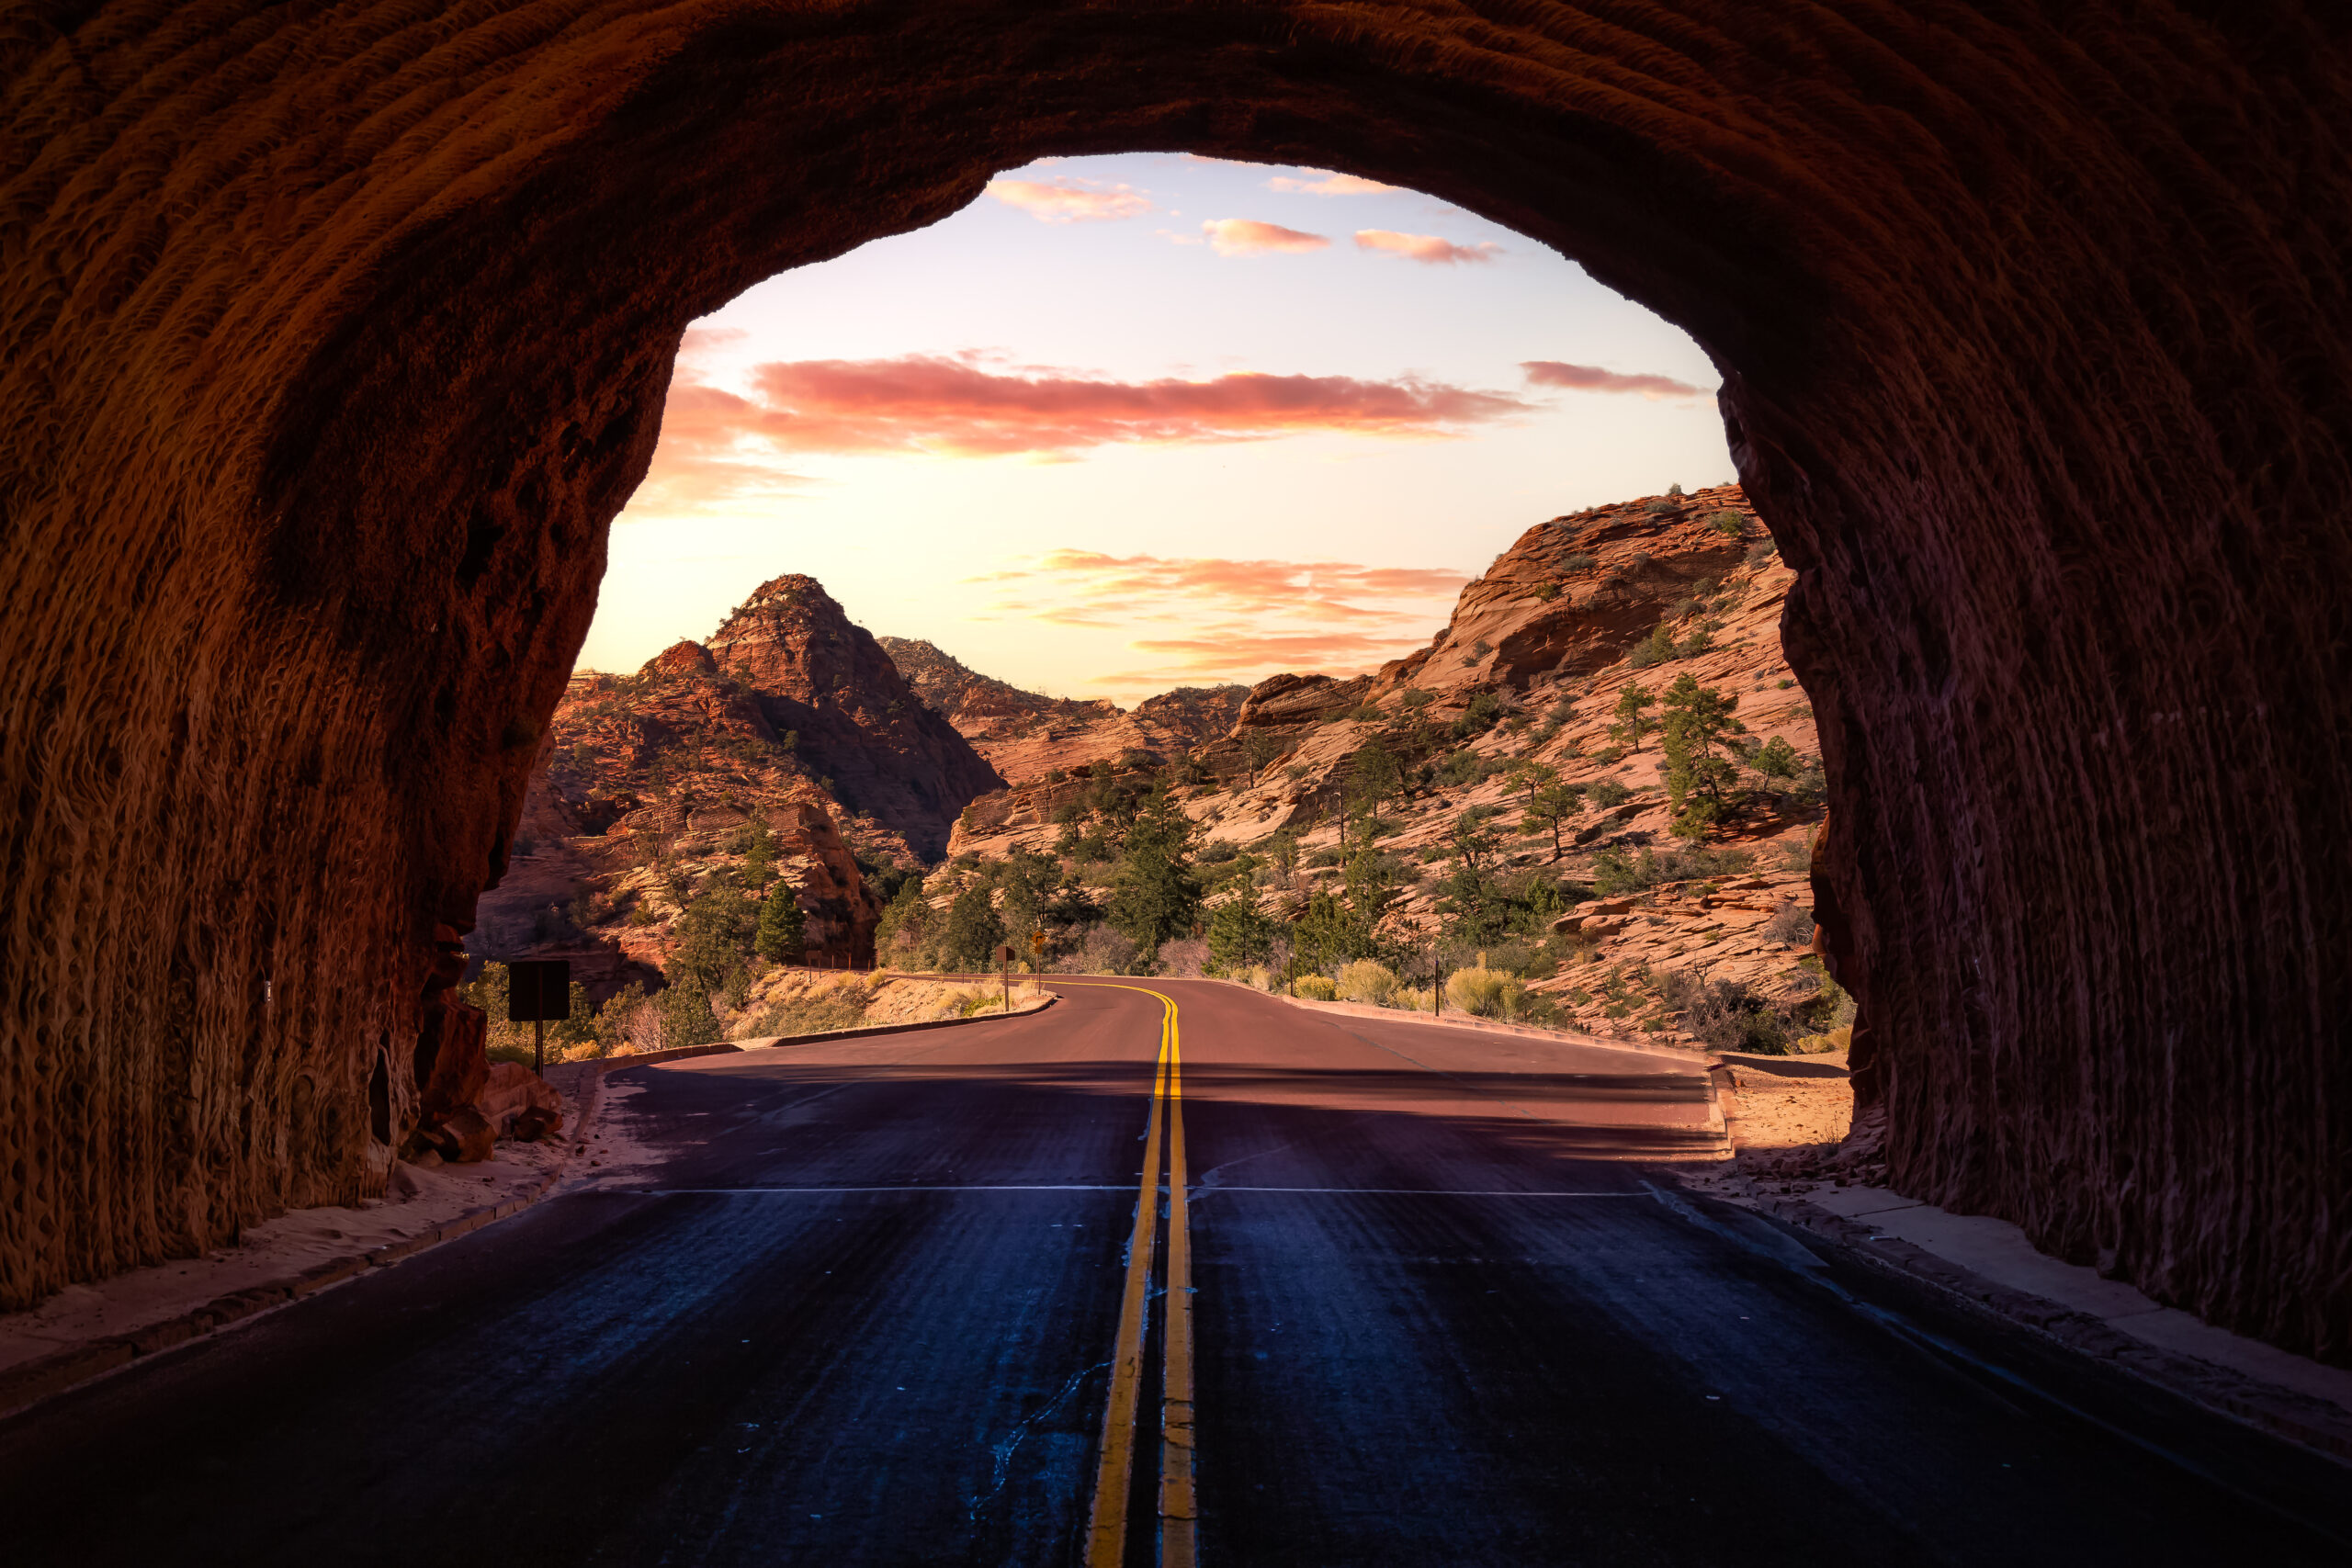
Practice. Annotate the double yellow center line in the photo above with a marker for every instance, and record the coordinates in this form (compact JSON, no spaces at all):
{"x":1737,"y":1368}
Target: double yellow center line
{"x":1115,"y":1472}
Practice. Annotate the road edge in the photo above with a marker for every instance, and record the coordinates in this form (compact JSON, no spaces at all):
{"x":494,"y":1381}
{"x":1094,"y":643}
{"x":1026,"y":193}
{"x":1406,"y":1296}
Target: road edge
{"x":2303,"y":1419}
{"x":33,"y":1382}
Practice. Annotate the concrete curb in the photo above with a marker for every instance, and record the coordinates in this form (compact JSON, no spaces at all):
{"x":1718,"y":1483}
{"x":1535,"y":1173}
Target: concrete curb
{"x":1696,"y":1061}
{"x":28,"y":1383}
{"x":2304,"y":1420}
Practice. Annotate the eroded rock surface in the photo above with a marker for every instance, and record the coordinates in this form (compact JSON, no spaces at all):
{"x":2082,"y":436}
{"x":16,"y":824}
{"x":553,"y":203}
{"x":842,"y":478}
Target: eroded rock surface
{"x":332,"y":339}
{"x":1025,"y":736}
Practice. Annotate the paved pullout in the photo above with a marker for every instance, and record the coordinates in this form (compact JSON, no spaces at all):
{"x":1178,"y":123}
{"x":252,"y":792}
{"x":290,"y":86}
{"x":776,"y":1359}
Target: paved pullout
{"x":861,"y":1308}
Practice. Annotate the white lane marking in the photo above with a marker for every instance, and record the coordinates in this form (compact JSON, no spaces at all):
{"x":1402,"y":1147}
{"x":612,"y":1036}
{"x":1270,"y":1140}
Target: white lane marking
{"x":1412,"y":1192}
{"x":1195,"y":1190}
{"x":916,"y":1187}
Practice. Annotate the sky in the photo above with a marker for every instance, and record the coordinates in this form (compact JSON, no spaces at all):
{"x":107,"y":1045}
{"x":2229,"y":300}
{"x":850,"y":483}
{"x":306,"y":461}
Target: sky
{"x":1132,"y":422}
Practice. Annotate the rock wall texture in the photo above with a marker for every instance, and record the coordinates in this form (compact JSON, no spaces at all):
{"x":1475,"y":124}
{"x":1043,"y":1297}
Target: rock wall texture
{"x":332,"y":335}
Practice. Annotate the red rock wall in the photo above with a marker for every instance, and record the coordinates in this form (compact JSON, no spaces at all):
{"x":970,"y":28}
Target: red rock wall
{"x":332,"y":337}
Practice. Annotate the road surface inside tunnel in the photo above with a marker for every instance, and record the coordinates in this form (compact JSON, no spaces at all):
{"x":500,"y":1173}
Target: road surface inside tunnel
{"x":871,"y":1301}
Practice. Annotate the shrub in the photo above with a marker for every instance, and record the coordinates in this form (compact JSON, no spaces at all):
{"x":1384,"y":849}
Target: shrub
{"x":1318,"y":988}
{"x":1606,"y":794}
{"x":1759,"y":554}
{"x":1186,"y":958}
{"x":1546,"y":591}
{"x":1480,"y":648}
{"x":1106,"y":951}
{"x":1367,"y":981}
{"x":1579,"y":563}
{"x":812,"y":1011}
{"x":1655,"y":648}
{"x":1327,"y":855}
{"x":1659,"y":506}
{"x":1790,"y":924}
{"x":1485,"y":993}
{"x":1730,"y":523}
{"x":1727,"y":1015}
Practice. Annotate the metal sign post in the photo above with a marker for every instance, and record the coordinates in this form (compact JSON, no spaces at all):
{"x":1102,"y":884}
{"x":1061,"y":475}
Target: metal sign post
{"x":1004,"y":956}
{"x":538,"y":989}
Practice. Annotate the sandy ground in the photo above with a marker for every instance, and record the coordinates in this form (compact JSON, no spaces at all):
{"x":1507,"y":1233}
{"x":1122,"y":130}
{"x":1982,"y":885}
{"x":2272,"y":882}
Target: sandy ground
{"x":272,"y":1251}
{"x":1788,"y":1102}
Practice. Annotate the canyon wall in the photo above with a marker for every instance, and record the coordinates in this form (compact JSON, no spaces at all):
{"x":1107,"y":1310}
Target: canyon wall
{"x":332,"y":337}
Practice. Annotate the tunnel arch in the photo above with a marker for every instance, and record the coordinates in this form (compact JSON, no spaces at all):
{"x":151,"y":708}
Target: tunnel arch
{"x":336,"y":336}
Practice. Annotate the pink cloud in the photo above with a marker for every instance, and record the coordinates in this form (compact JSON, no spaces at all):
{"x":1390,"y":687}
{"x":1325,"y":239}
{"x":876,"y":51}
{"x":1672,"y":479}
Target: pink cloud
{"x":1247,"y":237}
{"x":1427,"y":249}
{"x":1330,"y":184}
{"x":954,"y":406}
{"x":1071,"y":200}
{"x":1593,"y":379}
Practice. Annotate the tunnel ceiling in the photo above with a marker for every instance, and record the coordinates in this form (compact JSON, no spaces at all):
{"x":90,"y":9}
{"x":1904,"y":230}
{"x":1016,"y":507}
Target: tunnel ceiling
{"x":334,"y":337}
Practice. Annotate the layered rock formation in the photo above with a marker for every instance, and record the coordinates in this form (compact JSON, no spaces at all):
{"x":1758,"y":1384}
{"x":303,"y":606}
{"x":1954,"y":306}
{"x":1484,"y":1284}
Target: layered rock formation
{"x":333,"y":338}
{"x":1554,"y":630}
{"x":1025,"y":736}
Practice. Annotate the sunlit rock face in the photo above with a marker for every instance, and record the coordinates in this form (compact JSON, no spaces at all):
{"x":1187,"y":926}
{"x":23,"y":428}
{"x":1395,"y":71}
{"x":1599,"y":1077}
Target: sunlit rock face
{"x":331,"y":340}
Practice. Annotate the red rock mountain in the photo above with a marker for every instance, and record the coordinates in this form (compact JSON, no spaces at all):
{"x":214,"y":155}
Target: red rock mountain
{"x":1026,"y":734}
{"x":859,"y":726}
{"x":1549,"y":636}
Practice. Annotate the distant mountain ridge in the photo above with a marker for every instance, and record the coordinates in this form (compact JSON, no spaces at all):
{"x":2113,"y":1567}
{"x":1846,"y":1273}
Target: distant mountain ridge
{"x":1026,"y":734}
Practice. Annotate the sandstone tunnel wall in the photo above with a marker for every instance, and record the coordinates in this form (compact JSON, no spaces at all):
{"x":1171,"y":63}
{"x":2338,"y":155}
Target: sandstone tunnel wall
{"x":332,"y":336}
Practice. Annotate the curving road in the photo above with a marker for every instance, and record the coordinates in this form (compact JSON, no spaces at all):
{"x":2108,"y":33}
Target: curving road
{"x":898,"y":1299}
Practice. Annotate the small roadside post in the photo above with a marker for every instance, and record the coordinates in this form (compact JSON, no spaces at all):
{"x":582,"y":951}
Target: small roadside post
{"x":538,"y":989}
{"x":1036,"y":959}
{"x":1004,"y":956}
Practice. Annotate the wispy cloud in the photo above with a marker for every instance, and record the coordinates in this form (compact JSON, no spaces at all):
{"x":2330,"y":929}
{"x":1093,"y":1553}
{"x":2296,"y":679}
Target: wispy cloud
{"x":1069,"y":199}
{"x":1593,"y":379}
{"x":1247,"y":237}
{"x":1328,"y":183}
{"x":719,"y":444}
{"x":1427,"y":249}
{"x":1233,"y":619}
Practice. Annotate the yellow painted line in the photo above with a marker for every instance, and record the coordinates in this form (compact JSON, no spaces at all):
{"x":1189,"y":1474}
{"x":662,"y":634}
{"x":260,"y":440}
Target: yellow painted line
{"x":1179,"y":1508}
{"x":1106,"y":1528}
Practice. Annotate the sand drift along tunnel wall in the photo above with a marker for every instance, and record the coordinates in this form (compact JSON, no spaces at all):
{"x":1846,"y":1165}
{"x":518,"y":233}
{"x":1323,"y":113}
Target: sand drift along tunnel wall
{"x":332,"y":336}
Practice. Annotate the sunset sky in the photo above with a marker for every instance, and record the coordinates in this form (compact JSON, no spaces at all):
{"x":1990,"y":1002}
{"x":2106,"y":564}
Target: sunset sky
{"x":1131,"y":422}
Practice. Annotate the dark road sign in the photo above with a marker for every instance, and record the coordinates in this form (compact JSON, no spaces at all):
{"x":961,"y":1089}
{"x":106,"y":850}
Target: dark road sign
{"x":538,"y":989}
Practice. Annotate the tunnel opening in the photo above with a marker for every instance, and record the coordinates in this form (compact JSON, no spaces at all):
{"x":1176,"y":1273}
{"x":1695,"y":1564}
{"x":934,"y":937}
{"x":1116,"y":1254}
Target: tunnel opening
{"x":1993,"y":290}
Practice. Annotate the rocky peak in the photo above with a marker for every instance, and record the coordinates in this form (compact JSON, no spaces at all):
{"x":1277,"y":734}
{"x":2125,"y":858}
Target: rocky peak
{"x":860,"y":725}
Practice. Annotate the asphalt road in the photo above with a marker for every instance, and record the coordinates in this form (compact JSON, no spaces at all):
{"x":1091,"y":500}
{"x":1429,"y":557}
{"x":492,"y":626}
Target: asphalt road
{"x":867,"y":1303}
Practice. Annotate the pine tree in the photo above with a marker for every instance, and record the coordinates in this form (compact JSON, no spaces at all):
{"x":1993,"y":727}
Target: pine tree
{"x":974,"y":930}
{"x":686,"y":1017}
{"x":1157,"y":895}
{"x":1239,"y":933}
{"x":1700,"y":781}
{"x":1549,"y":809}
{"x":783,"y":930}
{"x":1632,"y":722}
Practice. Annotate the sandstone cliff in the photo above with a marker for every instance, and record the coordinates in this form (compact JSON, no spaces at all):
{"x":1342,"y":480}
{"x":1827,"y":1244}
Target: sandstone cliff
{"x":1527,"y":671}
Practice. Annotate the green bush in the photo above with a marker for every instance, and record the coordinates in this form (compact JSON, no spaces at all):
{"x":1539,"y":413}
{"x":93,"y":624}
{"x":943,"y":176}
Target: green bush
{"x":1318,"y":988}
